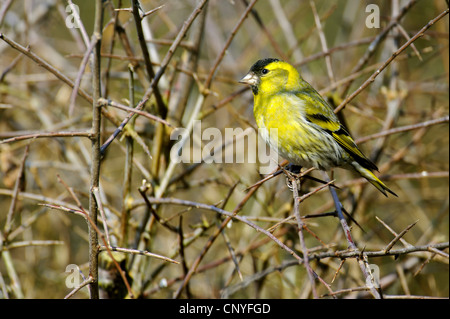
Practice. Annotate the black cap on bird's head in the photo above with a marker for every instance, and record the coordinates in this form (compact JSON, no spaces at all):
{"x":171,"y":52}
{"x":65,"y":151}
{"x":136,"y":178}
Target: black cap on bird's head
{"x":261,"y":64}
{"x":252,"y":77}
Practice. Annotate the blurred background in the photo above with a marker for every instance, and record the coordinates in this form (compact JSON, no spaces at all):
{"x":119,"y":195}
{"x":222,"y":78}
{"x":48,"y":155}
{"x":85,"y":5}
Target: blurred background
{"x":337,"y":46}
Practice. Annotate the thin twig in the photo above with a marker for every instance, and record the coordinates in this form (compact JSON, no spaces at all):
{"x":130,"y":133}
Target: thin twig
{"x":159,"y":74}
{"x":323,"y":41}
{"x":77,"y":82}
{"x":86,"y":282}
{"x":266,"y":31}
{"x":380,"y":253}
{"x":402,"y":129}
{"x":41,"y":62}
{"x":162,"y":108}
{"x":418,"y":175}
{"x":388,"y":61}
{"x":138,"y":252}
{"x":199,"y":103}
{"x":128,"y":169}
{"x":300,"y":226}
{"x":376,"y":42}
{"x":406,"y":36}
{"x":227,"y":44}
{"x":229,"y":215}
{"x":102,"y":213}
{"x":29,"y":243}
{"x":19,"y":184}
{"x":397,"y":238}
{"x":224,"y":235}
{"x":86,"y":215}
{"x":79,"y":23}
{"x":438,"y":252}
{"x":46,"y":134}
{"x":95,"y":151}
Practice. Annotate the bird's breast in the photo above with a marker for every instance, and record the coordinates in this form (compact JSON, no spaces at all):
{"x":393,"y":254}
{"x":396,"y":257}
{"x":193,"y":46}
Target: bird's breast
{"x":283,"y":125}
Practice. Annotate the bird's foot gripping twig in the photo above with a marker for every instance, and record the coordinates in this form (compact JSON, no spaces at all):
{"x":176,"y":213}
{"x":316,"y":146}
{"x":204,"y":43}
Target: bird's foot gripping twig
{"x":292,"y":171}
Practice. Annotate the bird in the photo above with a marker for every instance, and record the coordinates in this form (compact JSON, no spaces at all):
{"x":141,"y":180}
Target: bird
{"x":309,"y":134}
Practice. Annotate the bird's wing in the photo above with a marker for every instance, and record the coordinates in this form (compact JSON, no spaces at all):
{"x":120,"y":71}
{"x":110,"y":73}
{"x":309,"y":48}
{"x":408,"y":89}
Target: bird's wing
{"x":345,"y":140}
{"x":322,"y":115}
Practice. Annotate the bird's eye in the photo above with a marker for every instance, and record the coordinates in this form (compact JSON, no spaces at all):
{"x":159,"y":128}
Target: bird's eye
{"x":265,"y":71}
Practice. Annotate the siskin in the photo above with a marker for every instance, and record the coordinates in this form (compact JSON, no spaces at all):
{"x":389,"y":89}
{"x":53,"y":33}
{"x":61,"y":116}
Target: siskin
{"x":309,"y":133}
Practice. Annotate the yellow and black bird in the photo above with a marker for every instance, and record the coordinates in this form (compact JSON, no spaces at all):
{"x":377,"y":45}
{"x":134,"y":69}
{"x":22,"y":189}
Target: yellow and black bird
{"x":309,"y":132}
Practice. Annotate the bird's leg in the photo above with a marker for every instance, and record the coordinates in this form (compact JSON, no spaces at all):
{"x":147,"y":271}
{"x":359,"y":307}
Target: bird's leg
{"x":294,"y":171}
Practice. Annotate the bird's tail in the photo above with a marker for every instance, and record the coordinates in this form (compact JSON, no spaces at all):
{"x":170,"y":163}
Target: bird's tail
{"x":375,"y":181}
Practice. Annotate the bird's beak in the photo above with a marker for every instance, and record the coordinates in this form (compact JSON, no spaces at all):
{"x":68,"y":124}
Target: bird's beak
{"x":250,"y":79}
